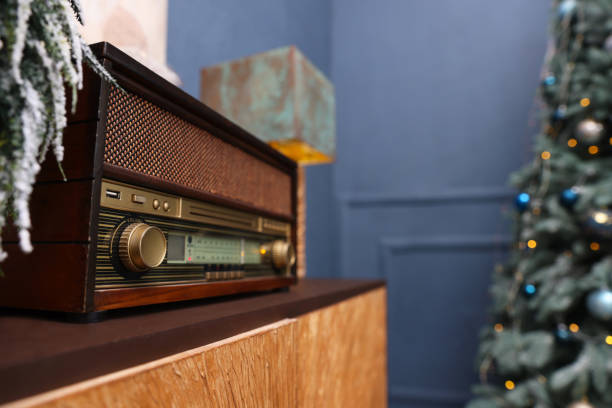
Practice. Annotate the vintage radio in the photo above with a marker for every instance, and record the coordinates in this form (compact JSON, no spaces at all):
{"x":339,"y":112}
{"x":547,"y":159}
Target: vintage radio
{"x":165,"y":200}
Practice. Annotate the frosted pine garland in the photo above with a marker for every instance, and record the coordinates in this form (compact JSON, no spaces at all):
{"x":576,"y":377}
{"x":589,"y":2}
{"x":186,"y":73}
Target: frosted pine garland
{"x":23,"y":15}
{"x":33,"y":123}
{"x":59,"y":103}
{"x":41,"y":51}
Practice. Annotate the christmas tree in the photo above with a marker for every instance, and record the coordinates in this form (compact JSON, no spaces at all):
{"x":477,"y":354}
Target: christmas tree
{"x":549,"y":343}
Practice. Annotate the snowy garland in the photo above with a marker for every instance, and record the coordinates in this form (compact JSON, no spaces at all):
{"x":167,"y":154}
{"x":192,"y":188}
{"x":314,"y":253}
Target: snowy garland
{"x":41,"y":51}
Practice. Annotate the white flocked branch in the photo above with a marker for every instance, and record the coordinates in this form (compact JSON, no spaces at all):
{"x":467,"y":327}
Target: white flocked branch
{"x":41,"y":55}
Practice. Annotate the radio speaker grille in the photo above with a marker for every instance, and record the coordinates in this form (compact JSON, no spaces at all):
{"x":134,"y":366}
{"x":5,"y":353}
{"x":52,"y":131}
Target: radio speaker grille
{"x":145,"y":138}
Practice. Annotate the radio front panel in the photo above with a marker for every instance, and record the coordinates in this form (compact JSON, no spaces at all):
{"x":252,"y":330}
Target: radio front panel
{"x":148,"y":238}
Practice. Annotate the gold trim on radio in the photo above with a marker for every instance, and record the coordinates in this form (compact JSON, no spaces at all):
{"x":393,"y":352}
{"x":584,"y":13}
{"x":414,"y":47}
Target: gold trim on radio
{"x":121,"y":196}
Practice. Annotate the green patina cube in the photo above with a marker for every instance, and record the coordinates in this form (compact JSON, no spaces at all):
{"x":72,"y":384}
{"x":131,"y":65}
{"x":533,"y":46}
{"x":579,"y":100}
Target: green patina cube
{"x":280,"y":97}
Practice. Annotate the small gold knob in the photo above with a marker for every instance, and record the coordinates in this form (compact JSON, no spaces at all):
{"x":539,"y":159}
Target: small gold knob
{"x":142,"y":247}
{"x":281,"y":253}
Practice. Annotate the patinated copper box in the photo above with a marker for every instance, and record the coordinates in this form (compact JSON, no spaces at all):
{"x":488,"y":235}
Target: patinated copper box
{"x":281,"y":97}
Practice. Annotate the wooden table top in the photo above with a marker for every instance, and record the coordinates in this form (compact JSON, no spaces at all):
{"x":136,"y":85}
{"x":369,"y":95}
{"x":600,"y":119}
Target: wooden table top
{"x":43,"y":351}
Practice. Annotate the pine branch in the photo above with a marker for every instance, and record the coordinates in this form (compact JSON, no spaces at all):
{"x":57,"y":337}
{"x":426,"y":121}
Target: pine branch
{"x":78,"y":10}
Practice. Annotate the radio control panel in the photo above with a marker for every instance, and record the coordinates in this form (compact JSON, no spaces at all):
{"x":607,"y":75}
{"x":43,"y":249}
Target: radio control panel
{"x":150,"y":238}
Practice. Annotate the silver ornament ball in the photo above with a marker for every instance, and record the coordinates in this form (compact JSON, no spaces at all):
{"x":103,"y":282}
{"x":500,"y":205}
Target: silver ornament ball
{"x":567,"y":7}
{"x":608,"y":43}
{"x":600,"y":222}
{"x":589,"y":131}
{"x":599,"y":304}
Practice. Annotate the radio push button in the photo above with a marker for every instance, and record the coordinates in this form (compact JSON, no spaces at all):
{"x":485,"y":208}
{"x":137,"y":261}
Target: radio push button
{"x":142,"y":247}
{"x":138,"y":199}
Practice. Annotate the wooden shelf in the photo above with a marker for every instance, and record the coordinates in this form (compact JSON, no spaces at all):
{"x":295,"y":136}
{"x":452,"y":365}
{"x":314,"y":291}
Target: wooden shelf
{"x":40,"y":352}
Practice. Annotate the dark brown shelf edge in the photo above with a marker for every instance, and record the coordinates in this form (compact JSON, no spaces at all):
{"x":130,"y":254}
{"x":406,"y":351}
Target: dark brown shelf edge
{"x":107,"y":299}
{"x":33,"y":378}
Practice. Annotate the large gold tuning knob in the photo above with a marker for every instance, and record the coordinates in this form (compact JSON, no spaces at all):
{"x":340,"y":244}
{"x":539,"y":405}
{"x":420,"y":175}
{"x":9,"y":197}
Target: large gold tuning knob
{"x":281,"y":253}
{"x":142,"y":247}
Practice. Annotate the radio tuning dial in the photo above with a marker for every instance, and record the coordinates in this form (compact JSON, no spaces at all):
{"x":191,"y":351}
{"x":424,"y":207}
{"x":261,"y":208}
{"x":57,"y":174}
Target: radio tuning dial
{"x":142,"y":247}
{"x":282,"y":254}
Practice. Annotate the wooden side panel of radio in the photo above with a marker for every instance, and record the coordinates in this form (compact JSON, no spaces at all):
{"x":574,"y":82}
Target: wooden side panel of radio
{"x":158,"y":138}
{"x":55,"y":275}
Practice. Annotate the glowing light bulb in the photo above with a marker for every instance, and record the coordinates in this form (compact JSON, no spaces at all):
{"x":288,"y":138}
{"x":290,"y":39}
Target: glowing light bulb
{"x":262,"y":251}
{"x":498,"y":327}
{"x":594,"y":246}
{"x":609,"y":340}
{"x":545,"y":155}
{"x":509,"y":384}
{"x":593,"y":149}
{"x":574,"y":328}
{"x":572,"y":142}
{"x":532,"y":243}
{"x":600,"y":217}
{"x":584,"y":102}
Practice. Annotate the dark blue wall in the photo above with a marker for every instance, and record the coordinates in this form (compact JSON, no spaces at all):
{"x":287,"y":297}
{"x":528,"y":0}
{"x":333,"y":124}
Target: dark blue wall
{"x":206,"y":32}
{"x":433,"y":104}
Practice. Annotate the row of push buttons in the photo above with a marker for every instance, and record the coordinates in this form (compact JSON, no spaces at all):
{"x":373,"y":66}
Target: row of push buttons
{"x":223,"y":272}
{"x":225,"y":275}
{"x":221,"y":267}
{"x":138,"y":199}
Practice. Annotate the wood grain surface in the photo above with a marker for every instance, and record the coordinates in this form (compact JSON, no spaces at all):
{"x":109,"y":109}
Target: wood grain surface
{"x":342,"y":353}
{"x":332,"y":357}
{"x":54,"y":208}
{"x":300,"y":225}
{"x":34,"y":280}
{"x":106,"y":299}
{"x":253,"y":369}
{"x":79,"y":144}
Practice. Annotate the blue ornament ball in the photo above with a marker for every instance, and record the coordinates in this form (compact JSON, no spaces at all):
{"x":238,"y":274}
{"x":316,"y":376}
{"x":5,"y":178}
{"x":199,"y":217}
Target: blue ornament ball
{"x":563,"y":334}
{"x":550,"y":80}
{"x":522,"y":201}
{"x":529,"y":290}
{"x":566,"y":7}
{"x":599,"y":304}
{"x":569,"y":197}
{"x":560,"y":112}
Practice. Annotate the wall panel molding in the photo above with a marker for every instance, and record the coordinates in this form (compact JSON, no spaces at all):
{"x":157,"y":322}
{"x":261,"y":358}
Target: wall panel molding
{"x":452,"y":196}
{"x":445,"y":242}
{"x":389,"y":247}
{"x":428,"y":397}
{"x":457,"y":196}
